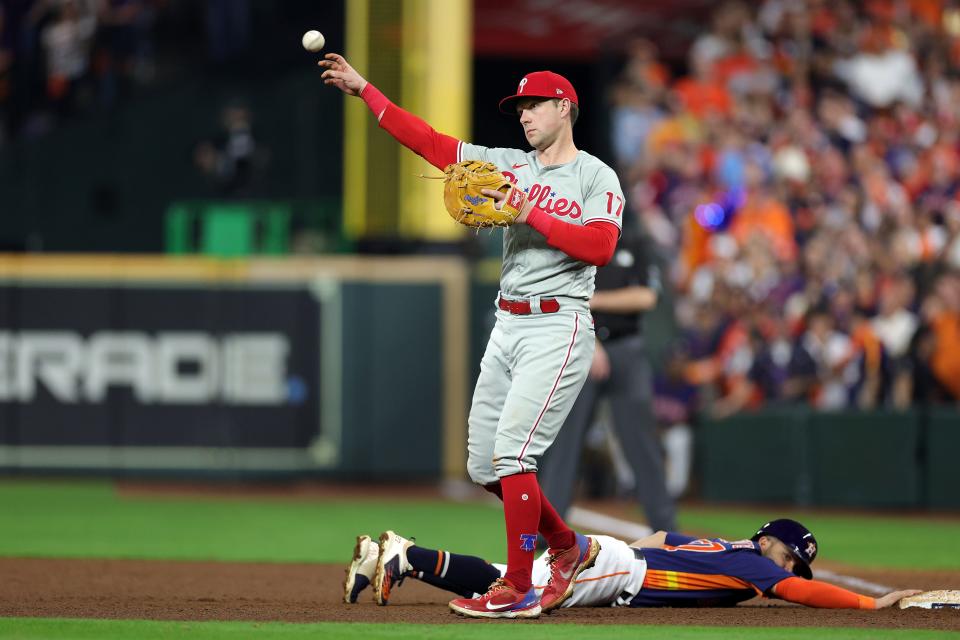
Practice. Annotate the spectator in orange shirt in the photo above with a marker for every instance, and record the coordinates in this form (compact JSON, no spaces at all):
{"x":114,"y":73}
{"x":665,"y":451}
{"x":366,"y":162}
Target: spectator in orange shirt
{"x":702,"y":93}
{"x":644,"y":68}
{"x":765,"y":215}
{"x":945,"y":324}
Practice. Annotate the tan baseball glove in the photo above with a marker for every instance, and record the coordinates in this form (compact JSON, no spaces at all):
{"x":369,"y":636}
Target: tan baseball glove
{"x":467,"y":204}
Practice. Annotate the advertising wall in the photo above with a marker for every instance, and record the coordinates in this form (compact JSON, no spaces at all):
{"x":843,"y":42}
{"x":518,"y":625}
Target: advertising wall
{"x":159,"y":366}
{"x":167,"y":365}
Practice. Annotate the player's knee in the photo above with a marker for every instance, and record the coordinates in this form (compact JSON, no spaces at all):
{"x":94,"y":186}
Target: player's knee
{"x":481,"y":472}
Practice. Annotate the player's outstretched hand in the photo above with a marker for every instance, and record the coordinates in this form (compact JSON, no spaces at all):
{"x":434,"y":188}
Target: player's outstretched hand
{"x":894,"y":597}
{"x":340,"y":74}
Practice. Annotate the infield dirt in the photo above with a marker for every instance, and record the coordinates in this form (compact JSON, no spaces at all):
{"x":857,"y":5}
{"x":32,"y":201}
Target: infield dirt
{"x":165,"y":590}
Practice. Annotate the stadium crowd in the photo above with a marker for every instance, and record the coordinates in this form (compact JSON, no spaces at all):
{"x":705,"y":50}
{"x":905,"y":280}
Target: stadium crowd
{"x":802,"y":176}
{"x":803,"y":180}
{"x":59,"y":58}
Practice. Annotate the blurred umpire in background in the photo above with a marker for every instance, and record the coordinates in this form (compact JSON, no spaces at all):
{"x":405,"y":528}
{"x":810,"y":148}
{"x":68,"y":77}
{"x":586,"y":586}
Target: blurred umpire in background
{"x":625,"y":288}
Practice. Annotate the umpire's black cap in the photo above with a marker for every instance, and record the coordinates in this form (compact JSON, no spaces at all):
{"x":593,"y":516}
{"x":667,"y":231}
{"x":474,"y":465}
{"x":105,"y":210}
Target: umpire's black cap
{"x":797,"y":538}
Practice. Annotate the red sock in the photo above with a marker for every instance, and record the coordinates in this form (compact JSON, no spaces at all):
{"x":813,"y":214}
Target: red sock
{"x":521,"y":510}
{"x":552,"y":526}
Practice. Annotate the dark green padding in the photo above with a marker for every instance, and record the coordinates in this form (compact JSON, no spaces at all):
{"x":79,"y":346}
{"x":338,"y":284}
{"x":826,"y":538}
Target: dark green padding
{"x":866,"y":458}
{"x":755,"y":457}
{"x":392,"y":385}
{"x":943,"y":465}
{"x":869,"y":459}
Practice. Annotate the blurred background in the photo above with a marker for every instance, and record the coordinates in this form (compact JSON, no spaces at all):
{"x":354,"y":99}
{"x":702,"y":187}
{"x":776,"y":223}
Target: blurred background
{"x":214,"y":266}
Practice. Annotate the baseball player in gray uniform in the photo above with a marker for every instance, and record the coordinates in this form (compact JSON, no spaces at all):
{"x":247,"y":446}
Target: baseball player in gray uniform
{"x":541,"y":348}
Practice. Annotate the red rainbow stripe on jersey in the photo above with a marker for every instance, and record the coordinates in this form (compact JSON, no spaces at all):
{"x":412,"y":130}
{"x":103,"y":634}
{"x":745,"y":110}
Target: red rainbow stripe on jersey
{"x":683,"y":581}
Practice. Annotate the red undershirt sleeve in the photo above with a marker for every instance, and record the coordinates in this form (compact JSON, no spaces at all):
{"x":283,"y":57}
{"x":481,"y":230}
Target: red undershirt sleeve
{"x":436,"y":148}
{"x":592,"y":243}
{"x":814,"y":593}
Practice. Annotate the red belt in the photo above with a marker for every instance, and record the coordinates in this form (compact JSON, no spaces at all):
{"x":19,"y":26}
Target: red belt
{"x":522,"y":307}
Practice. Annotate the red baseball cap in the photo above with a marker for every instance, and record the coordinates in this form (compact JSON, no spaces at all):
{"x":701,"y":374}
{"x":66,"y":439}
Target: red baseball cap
{"x":540,"y":84}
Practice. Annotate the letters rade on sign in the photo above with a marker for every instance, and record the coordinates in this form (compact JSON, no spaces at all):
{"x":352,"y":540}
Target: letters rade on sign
{"x":166,"y":368}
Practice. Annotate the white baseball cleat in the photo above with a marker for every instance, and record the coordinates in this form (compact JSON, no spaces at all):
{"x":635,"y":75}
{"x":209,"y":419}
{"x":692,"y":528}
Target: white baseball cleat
{"x":392,"y":565}
{"x":362,"y":568}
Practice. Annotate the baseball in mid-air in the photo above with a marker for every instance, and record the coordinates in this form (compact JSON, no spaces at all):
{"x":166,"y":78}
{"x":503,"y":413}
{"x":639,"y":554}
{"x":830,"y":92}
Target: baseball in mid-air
{"x":313,"y":40}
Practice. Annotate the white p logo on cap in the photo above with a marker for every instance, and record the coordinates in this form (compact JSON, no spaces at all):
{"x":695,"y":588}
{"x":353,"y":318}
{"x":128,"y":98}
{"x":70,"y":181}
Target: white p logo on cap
{"x":520,"y":88}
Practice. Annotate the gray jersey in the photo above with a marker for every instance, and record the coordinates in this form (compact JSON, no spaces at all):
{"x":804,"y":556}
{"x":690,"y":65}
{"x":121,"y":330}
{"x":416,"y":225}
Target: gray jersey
{"x":577,"y":192}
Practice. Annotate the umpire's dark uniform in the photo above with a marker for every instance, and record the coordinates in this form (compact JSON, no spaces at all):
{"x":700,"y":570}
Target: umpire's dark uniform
{"x":630,"y":390}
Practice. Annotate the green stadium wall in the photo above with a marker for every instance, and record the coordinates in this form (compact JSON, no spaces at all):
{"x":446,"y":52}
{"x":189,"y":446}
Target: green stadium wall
{"x":872,"y":459}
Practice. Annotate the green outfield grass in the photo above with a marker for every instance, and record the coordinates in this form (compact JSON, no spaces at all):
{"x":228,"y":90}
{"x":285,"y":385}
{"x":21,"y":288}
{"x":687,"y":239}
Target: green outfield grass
{"x":43,"y":629}
{"x":88,"y":519}
{"x":864,"y":540}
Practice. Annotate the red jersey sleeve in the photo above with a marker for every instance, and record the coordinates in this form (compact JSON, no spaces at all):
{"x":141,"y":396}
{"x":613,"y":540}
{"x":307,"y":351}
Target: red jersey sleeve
{"x":592,"y":243}
{"x":436,"y":148}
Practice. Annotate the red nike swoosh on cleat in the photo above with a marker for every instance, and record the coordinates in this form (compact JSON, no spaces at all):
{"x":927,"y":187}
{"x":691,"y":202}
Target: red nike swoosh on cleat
{"x":517,"y":166}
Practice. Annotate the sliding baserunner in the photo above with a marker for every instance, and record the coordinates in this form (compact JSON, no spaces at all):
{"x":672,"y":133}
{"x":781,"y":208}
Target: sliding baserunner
{"x":661,"y":570}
